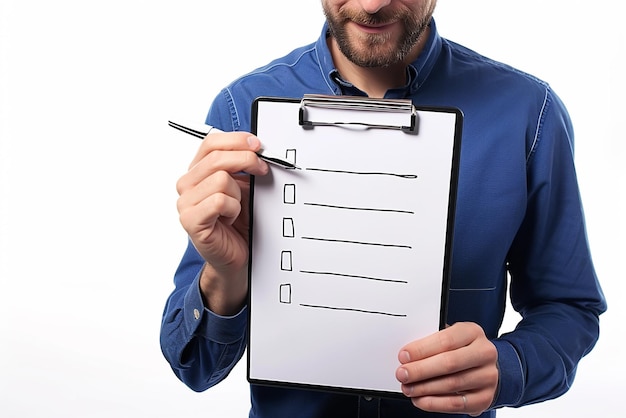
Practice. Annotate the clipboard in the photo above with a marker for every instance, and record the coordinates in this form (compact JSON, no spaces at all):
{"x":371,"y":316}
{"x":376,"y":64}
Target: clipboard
{"x":350,"y":254}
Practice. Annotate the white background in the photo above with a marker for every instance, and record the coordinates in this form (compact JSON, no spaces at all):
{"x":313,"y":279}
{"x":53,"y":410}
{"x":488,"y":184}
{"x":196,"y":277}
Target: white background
{"x":89,"y":234}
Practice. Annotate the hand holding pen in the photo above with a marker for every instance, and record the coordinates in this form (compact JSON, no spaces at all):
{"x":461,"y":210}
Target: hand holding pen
{"x":213,"y":207}
{"x":202,"y":131}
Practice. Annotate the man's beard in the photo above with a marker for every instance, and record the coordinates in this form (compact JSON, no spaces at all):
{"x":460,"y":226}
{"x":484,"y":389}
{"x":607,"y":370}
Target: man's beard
{"x":376,"y":50}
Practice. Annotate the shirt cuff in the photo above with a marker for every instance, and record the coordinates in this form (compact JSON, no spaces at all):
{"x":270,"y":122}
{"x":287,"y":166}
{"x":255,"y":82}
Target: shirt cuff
{"x":202,"y":322}
{"x":511,"y":380}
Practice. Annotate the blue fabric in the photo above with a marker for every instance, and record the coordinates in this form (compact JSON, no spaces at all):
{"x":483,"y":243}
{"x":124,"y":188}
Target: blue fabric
{"x":518,"y":211}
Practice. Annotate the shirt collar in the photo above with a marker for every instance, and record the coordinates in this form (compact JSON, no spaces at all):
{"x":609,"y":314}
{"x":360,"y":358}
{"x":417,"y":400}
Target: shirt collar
{"x":418,"y":70}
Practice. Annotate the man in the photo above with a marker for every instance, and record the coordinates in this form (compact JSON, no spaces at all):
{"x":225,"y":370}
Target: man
{"x":518,"y":212}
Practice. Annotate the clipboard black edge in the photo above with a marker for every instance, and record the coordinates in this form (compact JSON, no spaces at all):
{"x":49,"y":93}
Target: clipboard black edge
{"x":446,"y":276}
{"x":331,"y":389}
{"x":452,"y":201}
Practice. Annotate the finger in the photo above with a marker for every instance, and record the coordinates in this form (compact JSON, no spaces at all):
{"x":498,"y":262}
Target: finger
{"x":234,"y":162}
{"x":474,"y":379}
{"x":219,"y":182}
{"x":453,"y":403}
{"x":237,"y":163}
{"x":442,"y":364}
{"x":226,"y":141}
{"x":451,"y":338}
{"x":459,"y":403}
{"x":200,"y":220}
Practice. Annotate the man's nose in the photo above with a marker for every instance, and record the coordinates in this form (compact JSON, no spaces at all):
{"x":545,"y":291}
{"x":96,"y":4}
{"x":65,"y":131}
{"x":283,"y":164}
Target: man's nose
{"x":373,"y":6}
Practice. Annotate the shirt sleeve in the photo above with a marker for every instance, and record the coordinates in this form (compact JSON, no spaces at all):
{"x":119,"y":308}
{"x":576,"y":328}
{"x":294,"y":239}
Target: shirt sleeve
{"x":200,"y":346}
{"x":553,"y":283}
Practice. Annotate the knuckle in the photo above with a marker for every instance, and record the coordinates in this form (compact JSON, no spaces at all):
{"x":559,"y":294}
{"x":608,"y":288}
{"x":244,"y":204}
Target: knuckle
{"x":493,"y":377}
{"x":219,"y":201}
{"x":180,"y":206}
{"x":181,"y":185}
{"x":248,"y":157}
{"x":492,"y":353}
{"x":446,"y":341}
{"x":451,"y":362}
{"x":221,"y":180}
{"x":212,"y":158}
{"x":186,"y":220}
{"x":456,"y":381}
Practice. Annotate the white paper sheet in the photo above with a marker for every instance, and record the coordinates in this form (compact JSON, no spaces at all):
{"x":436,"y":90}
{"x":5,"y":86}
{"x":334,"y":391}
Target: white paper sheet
{"x":349,"y":253}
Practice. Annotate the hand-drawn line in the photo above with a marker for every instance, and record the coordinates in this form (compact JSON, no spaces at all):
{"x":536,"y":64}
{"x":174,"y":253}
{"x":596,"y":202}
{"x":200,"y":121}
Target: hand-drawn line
{"x":378,"y":244}
{"x":366,"y":173}
{"x":410,"y":212}
{"x":335,"y":308}
{"x":353,"y":276}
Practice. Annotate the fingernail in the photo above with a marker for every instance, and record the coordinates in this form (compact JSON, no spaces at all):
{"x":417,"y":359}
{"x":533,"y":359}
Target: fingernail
{"x":253,"y":142}
{"x":402,"y":375}
{"x":404,"y":357}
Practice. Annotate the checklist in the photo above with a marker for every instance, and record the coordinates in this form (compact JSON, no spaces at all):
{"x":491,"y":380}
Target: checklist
{"x":349,"y":254}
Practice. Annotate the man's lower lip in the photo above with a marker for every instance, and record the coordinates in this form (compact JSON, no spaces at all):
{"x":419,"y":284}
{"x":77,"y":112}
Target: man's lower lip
{"x":374,"y":29}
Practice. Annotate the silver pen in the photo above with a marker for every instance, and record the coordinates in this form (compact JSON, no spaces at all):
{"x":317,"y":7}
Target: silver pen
{"x":203,"y":130}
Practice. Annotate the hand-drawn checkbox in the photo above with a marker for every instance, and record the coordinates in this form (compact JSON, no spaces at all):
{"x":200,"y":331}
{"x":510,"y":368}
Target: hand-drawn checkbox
{"x":286,"y":262}
{"x":290,"y":155}
{"x":285,"y":293}
{"x":289,"y":194}
{"x":289,"y":230}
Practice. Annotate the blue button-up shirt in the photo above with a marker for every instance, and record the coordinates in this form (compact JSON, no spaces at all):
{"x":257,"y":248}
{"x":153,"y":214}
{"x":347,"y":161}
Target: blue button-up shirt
{"x":518,"y":215}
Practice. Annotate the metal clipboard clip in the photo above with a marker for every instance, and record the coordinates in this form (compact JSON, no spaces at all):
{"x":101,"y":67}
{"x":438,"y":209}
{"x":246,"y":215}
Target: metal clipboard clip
{"x":361,"y":113}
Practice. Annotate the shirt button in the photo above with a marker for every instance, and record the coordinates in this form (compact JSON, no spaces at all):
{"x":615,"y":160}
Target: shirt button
{"x":196,"y":314}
